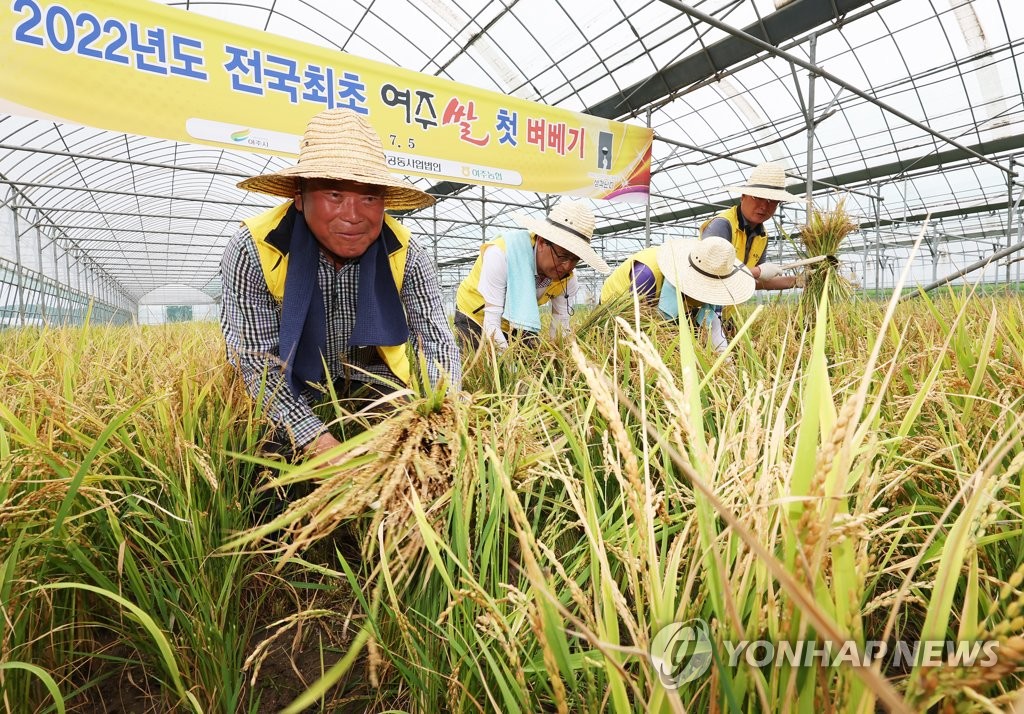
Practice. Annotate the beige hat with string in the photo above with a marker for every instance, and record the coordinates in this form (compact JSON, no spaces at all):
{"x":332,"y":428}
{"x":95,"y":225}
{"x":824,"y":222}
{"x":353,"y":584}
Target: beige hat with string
{"x":706,"y":270}
{"x":569,"y":225}
{"x":766,"y":181}
{"x":340,"y":145}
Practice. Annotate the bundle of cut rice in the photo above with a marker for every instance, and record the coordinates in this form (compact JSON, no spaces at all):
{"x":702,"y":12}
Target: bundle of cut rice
{"x":823,"y":235}
{"x":401,"y":464}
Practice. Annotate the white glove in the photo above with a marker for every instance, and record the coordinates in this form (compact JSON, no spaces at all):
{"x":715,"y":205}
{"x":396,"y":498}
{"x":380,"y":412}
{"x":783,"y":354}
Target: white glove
{"x":769,"y":271}
{"x":718,"y":341}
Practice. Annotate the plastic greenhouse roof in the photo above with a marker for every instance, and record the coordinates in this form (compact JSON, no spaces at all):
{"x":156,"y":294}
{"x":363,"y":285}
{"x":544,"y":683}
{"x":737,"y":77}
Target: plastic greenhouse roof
{"x":920,"y":109}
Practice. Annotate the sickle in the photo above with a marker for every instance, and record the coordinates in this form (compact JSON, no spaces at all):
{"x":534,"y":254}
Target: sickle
{"x":832,"y":260}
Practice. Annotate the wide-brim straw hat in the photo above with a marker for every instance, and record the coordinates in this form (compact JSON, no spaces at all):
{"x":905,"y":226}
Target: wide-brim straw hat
{"x":706,"y":270}
{"x":570,"y":225}
{"x":340,"y":144}
{"x":766,"y":181}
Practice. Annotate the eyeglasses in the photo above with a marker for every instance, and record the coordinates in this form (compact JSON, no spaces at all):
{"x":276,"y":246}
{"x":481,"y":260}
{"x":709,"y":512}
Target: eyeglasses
{"x":565,"y":258}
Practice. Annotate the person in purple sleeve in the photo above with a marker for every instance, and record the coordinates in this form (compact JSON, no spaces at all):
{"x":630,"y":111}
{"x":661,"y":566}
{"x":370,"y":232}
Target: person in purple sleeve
{"x":705,"y":273}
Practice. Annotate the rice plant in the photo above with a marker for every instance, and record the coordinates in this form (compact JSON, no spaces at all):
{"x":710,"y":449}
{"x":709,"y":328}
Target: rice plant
{"x":521,"y":545}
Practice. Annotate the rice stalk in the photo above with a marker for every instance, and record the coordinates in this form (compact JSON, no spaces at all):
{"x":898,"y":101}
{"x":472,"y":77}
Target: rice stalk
{"x":823,"y":235}
{"x":407,"y":452}
{"x":560,"y":530}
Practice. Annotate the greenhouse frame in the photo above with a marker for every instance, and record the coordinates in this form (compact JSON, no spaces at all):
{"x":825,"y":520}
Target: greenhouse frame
{"x":664,"y":356}
{"x":838,"y":91}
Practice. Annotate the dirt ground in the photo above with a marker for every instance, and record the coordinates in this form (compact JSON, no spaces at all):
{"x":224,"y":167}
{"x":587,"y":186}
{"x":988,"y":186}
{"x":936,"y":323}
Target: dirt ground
{"x":289,"y":666}
{"x":284,"y":674}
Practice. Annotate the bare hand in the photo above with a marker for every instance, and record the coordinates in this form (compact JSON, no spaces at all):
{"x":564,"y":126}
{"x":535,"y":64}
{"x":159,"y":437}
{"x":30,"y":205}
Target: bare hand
{"x":323,"y":443}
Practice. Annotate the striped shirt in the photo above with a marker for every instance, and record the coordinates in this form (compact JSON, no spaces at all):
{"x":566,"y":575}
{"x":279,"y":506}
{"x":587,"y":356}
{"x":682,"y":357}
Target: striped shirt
{"x":251,"y":322}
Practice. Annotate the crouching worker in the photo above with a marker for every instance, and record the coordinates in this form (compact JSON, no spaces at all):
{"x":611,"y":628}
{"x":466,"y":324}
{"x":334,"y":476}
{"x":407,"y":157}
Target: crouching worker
{"x":706,"y":272}
{"x":328,"y":278}
{"x":519,"y":271}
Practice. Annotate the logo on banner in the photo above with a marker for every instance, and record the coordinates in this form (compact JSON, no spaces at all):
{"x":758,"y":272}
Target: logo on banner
{"x":604,"y":150}
{"x":259,"y":139}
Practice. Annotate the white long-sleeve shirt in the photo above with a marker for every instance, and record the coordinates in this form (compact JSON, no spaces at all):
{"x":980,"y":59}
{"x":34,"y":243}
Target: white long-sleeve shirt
{"x":494,"y":283}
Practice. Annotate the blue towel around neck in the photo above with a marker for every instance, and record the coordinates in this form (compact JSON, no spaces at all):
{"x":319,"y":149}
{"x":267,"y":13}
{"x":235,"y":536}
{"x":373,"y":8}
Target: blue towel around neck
{"x":668,"y":302}
{"x":521,"y":308}
{"x":706,"y":315}
{"x":380,"y":315}
{"x":669,"y":306}
{"x":303,"y":335}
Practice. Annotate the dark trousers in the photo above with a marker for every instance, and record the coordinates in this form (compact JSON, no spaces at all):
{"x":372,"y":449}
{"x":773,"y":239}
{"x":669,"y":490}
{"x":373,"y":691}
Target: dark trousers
{"x":468,"y":330}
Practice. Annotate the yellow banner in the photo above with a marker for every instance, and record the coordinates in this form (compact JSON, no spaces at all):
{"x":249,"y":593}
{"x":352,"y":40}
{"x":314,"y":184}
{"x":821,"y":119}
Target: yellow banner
{"x":145,"y":68}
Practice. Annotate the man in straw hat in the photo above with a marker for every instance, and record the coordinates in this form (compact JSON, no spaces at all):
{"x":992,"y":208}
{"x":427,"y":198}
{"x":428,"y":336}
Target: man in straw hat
{"x":328,"y":279}
{"x":705,"y":272}
{"x":521,"y":270}
{"x":743,"y":225}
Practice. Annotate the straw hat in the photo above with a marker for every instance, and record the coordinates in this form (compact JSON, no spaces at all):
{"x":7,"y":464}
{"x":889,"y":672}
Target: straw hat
{"x":570,"y":225}
{"x":766,"y":181}
{"x":706,"y":270}
{"x":340,"y":144}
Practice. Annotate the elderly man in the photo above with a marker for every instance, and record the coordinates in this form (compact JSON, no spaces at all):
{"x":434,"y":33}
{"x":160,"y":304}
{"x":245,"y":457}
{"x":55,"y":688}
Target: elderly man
{"x":328,"y":279}
{"x":521,"y":270}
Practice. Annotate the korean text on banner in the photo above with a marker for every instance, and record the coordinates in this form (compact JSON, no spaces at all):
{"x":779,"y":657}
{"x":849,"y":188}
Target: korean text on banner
{"x":146,"y":68}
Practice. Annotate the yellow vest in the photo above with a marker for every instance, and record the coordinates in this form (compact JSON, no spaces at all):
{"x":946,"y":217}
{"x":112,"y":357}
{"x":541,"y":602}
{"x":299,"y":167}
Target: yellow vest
{"x":739,"y":237}
{"x":470,"y":301}
{"x":621,"y":279}
{"x":739,"y":242}
{"x":275,"y":270}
